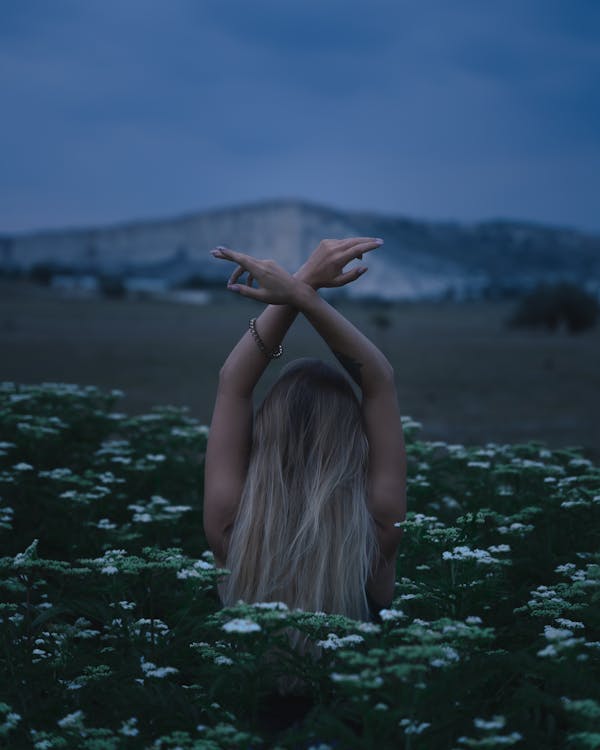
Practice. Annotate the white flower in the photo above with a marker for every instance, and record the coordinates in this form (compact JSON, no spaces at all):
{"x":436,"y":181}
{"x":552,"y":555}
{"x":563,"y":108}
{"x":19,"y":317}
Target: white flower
{"x":128,"y":727}
{"x":105,"y":523}
{"x":177,"y":508}
{"x":450,"y":654}
{"x":565,"y":568}
{"x":473,"y":620}
{"x":333,"y":641}
{"x":497,"y":722}
{"x":155,"y":457}
{"x":569,"y":623}
{"x":499,"y":548}
{"x":413,"y":728}
{"x":151,"y":670}
{"x":505,"y":489}
{"x":142,"y":517}
{"x":71,"y":719}
{"x":338,"y":677}
{"x":203,"y":565}
{"x":463,"y":552}
{"x":188,"y":573}
{"x":580,"y":462}
{"x":223,"y":660}
{"x":109,"y":570}
{"x":391,"y":614}
{"x":159,"y":500}
{"x":22,"y":466}
{"x":241,"y":625}
{"x":369,"y":627}
{"x":556,"y":634}
{"x":270,"y":605}
{"x":480,"y":464}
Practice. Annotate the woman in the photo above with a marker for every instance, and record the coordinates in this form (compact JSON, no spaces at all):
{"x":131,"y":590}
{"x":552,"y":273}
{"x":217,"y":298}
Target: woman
{"x":301,"y":501}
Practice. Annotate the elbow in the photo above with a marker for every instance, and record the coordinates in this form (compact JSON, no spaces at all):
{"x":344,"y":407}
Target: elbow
{"x":388,"y":375}
{"x":381,"y":380}
{"x":224,"y":372}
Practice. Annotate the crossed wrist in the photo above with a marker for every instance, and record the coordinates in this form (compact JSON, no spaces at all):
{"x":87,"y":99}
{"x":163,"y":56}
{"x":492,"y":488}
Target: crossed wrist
{"x":306,"y":278}
{"x":303,"y":293}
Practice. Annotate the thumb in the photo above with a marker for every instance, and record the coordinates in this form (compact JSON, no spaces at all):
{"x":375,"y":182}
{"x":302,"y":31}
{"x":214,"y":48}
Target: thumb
{"x":352,"y":275}
{"x":245,"y":291}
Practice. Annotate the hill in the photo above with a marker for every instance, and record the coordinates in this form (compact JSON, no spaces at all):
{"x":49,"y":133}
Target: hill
{"x":420,"y":259}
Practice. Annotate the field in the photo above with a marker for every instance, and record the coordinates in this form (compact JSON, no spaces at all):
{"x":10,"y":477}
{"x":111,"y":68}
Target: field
{"x":112,"y":636}
{"x":460,"y":372}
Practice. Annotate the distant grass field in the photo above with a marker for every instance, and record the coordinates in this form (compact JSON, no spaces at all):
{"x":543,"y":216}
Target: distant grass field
{"x":460,"y":372}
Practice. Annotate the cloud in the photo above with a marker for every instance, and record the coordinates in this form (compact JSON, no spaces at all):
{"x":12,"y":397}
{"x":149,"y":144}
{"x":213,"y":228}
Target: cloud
{"x":452,"y":110}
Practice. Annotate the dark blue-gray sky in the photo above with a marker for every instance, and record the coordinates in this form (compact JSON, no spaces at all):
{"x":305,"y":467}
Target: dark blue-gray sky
{"x":468,"y":110}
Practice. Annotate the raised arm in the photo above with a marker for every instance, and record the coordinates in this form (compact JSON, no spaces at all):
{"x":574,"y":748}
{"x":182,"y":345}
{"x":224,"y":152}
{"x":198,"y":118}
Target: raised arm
{"x":230,"y":434}
{"x":386,"y":477}
{"x":369,"y":368}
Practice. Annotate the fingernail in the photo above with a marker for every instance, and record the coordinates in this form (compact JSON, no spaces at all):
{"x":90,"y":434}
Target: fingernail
{"x":362,"y":270}
{"x":215,"y":252}
{"x":379,"y":240}
{"x":233,"y":287}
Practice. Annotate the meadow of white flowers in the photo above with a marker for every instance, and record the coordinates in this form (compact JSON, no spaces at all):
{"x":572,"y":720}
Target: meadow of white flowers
{"x":113,"y":637}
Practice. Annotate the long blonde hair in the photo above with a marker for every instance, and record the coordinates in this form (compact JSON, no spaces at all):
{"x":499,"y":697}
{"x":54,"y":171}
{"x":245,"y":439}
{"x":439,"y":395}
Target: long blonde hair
{"x":303,"y":534}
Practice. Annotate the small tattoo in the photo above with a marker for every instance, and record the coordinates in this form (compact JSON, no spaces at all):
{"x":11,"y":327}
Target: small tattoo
{"x":352,"y":367}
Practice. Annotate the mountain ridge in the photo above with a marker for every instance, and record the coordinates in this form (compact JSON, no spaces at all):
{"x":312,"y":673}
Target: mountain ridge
{"x":419,"y":258}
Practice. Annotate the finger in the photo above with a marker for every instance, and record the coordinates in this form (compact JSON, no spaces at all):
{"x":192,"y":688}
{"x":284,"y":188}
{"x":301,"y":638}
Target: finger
{"x":356,"y":251}
{"x":348,"y":276}
{"x":247,"y":261}
{"x":352,"y":241}
{"x":236,"y":275}
{"x":250,"y":280}
{"x":246,"y":291}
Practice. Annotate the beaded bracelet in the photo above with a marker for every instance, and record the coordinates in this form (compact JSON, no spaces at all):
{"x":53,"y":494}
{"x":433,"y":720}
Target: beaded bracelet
{"x":275,"y":353}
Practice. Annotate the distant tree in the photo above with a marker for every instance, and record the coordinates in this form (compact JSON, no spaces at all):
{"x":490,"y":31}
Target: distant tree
{"x":111,"y":285}
{"x":381,"y":321}
{"x":197,"y":281}
{"x":42,"y":273}
{"x":549,"y":305}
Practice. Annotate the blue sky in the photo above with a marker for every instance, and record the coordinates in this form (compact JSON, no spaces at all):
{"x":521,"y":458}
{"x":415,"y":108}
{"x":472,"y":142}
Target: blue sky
{"x":466,"y":110}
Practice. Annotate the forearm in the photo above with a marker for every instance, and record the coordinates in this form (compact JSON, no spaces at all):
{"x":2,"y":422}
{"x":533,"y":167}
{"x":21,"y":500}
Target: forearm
{"x":365,"y":363}
{"x":246,"y":363}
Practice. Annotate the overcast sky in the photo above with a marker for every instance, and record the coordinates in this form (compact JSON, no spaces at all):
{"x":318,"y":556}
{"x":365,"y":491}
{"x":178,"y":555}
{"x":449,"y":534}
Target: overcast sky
{"x":470,"y":109}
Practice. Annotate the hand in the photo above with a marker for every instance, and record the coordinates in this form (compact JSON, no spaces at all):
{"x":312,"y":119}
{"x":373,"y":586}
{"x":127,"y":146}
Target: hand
{"x":277,"y":286}
{"x":324,"y":267}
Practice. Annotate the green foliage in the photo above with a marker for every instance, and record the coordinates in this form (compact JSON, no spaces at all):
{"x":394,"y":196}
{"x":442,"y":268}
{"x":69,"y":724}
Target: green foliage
{"x":551,"y":305}
{"x":112,"y":634}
